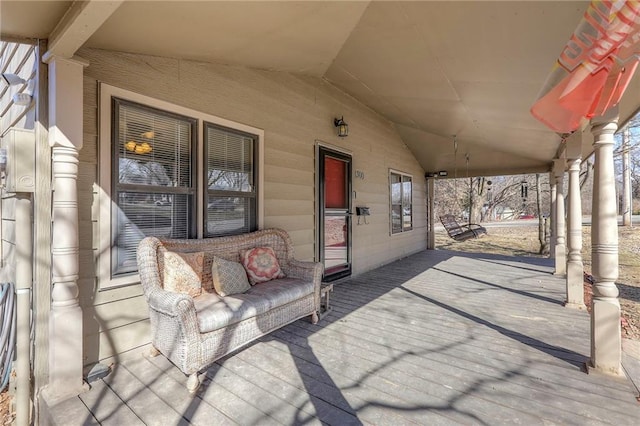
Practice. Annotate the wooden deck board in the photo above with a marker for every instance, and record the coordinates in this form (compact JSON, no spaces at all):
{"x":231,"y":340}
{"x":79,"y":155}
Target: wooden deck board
{"x":151,"y":409}
{"x":161,"y":381}
{"x":72,"y":412}
{"x":419,"y":376}
{"x":459,"y":363}
{"x":436,"y":338}
{"x":410,"y":385}
{"x":107,"y":407}
{"x":345,"y":398}
{"x":307,"y":406}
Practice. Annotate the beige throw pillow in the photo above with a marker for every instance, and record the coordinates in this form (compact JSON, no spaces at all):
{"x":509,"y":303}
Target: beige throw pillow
{"x":183,"y":272}
{"x":228,"y":277}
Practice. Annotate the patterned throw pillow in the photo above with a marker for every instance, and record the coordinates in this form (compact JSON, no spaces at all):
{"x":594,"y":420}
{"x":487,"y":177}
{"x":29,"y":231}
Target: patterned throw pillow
{"x":261,"y":264}
{"x":228,"y":277}
{"x":183,"y":272}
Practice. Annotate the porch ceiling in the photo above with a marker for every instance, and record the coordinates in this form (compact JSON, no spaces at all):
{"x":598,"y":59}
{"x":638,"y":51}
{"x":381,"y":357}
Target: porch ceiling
{"x":435,"y":68}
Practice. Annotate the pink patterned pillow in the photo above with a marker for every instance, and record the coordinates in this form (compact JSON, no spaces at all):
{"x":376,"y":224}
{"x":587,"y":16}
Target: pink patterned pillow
{"x":261,"y":264}
{"x":183,"y":272}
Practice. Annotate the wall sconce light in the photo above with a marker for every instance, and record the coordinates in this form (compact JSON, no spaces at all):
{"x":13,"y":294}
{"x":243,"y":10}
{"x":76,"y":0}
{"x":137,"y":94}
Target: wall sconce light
{"x":20,"y":98}
{"x":12,"y":79}
{"x":343,"y":128}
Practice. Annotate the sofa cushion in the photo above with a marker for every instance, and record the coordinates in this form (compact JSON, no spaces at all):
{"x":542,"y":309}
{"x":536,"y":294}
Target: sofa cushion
{"x":282,"y":290}
{"x":214,"y":311}
{"x":183,"y":272}
{"x":228,"y":277}
{"x":261,"y":264}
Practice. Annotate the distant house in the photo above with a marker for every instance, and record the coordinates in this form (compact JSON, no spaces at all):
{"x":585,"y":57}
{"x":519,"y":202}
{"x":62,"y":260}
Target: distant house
{"x":504,"y":213}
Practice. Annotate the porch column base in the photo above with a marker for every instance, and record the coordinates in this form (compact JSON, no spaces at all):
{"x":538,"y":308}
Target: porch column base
{"x":606,"y":340}
{"x":561,"y":260}
{"x":576,"y":306}
{"x":575,"y":286}
{"x":593,"y":371}
{"x":52,"y":397}
{"x":65,"y":360}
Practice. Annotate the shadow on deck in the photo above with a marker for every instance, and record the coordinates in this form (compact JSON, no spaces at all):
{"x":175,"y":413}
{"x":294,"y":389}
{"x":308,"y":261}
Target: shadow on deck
{"x":439,"y":337}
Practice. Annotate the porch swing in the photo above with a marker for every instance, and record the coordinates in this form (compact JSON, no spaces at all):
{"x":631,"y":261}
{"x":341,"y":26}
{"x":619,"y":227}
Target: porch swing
{"x":455,"y":230}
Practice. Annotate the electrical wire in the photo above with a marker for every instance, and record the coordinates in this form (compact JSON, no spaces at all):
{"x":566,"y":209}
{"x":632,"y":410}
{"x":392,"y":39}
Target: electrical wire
{"x":8,"y":333}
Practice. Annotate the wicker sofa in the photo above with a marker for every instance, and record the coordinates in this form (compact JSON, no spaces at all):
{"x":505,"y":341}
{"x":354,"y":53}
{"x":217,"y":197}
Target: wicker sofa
{"x":193,"y":332}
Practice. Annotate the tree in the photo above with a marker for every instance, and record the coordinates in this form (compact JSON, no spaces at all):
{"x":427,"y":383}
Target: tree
{"x":632,"y":129}
{"x":478,"y":199}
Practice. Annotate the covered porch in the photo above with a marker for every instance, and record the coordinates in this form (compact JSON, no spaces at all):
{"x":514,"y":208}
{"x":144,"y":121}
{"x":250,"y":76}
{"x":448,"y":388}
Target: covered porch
{"x":439,"y":337}
{"x":428,"y":88}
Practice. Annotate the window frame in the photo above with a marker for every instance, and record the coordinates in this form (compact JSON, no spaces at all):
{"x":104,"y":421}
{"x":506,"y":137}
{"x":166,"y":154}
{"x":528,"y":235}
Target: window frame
{"x":104,"y":188}
{"x":391,"y":204}
{"x":253,"y":194}
{"x":118,"y":187}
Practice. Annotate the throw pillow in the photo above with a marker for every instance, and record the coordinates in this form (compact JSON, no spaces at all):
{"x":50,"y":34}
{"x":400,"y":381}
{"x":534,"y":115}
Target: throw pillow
{"x":228,"y":277}
{"x":261,"y":264}
{"x":183,"y":272}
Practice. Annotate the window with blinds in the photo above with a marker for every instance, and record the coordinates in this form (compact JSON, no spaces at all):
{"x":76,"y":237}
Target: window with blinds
{"x":230,"y":179}
{"x":153,"y":177}
{"x":401,"y":202}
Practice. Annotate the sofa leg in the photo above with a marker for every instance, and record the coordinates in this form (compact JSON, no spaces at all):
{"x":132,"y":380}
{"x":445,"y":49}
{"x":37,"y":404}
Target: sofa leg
{"x":193,"y":383}
{"x":314,"y":318}
{"x":153,"y":352}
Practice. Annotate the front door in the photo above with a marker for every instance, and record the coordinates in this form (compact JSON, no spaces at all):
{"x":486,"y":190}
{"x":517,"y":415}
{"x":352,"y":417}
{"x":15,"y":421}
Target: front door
{"x":334,"y":212}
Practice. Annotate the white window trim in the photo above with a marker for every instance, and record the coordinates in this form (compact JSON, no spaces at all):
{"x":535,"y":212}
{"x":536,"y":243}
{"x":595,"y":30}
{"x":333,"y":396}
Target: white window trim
{"x":391,"y":233}
{"x":105,"y":237}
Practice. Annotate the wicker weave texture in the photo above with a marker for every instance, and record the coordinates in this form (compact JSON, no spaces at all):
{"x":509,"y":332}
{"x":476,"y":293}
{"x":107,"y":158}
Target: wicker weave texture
{"x":174,"y":325}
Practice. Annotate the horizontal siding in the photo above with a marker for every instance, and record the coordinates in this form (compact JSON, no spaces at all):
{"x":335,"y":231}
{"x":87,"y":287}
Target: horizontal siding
{"x":19,"y":59}
{"x":115,"y":341}
{"x":107,"y":316}
{"x":295,"y":112}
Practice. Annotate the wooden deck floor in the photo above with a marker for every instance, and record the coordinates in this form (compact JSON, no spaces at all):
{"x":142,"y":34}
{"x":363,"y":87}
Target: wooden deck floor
{"x":437,"y":338}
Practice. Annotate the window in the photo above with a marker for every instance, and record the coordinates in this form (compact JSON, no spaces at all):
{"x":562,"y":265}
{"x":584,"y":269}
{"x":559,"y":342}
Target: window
{"x":154,"y":185}
{"x":171,"y":172}
{"x":230,"y":180}
{"x":401,"y":202}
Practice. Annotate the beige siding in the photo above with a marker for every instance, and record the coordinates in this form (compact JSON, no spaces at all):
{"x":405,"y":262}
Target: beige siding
{"x":19,"y":59}
{"x":295,"y":112}
{"x":22,"y":60}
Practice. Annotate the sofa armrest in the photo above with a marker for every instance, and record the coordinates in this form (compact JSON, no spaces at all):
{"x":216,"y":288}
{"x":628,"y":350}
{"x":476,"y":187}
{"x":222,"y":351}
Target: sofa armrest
{"x":170,"y":303}
{"x":310,"y":271}
{"x":174,"y":329}
{"x":305,"y":270}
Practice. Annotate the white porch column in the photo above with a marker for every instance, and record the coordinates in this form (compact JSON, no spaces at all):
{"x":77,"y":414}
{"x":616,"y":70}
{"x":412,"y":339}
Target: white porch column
{"x":575,"y":277}
{"x":552,"y":228}
{"x":560,"y":249}
{"x":606,"y":341}
{"x":65,"y":321}
{"x":431,"y":195}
